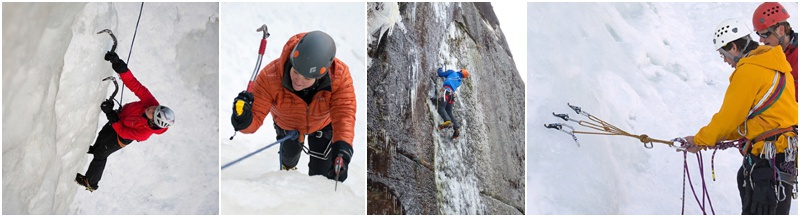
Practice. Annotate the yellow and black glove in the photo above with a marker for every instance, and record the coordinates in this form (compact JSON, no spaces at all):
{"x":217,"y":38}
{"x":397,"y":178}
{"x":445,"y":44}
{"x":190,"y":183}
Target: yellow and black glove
{"x":242,"y":116}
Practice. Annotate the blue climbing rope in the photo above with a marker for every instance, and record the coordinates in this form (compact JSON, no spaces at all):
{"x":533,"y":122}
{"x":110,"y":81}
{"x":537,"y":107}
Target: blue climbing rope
{"x":290,"y":135}
{"x":128,"y":61}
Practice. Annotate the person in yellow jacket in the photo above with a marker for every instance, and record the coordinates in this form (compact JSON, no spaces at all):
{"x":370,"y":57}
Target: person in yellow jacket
{"x":758,"y":105}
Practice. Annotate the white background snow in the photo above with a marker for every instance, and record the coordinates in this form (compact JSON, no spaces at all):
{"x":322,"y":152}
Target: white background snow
{"x":255,"y":185}
{"x":511,"y":15}
{"x":648,"y":68}
{"x":52,"y":70}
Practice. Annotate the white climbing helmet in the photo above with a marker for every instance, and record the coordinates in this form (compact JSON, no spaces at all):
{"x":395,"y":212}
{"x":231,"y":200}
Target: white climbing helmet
{"x":163,"y":116}
{"x":729,"y":30}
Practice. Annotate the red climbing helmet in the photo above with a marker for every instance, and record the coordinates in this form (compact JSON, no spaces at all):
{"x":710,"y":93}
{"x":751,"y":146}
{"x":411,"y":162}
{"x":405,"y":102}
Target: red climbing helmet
{"x":464,"y":73}
{"x":768,"y":14}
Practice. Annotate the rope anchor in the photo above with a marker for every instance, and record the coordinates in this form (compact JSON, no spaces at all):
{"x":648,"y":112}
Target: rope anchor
{"x":603,"y":128}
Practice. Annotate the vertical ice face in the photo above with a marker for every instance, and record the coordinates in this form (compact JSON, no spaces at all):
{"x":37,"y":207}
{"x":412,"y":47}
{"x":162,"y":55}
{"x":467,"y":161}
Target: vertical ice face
{"x":52,"y":71}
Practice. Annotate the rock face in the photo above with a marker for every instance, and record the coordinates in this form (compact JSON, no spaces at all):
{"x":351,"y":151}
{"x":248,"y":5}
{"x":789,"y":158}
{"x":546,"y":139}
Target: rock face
{"x":413,"y":168}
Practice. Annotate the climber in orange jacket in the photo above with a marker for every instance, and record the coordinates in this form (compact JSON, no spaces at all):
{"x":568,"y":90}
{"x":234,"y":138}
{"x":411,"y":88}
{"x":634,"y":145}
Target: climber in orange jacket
{"x":760,"y":106}
{"x":308,"y":90}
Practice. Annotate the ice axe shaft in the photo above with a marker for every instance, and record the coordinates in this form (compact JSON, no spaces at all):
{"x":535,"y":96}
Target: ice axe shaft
{"x":339,"y":162}
{"x":261,"y":48}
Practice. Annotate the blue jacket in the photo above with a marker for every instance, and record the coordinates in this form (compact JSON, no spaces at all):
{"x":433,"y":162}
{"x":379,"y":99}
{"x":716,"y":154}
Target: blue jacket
{"x":452,"y":78}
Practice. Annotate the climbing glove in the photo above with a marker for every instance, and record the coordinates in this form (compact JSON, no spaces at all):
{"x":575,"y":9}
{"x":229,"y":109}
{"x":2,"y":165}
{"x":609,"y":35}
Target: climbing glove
{"x":341,"y":152}
{"x":108,"y":108}
{"x":759,"y":197}
{"x":117,"y":64}
{"x":242,"y":116}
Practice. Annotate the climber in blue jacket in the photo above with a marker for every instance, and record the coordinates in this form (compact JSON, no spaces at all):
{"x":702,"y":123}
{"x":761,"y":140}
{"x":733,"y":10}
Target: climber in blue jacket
{"x":452,"y":80}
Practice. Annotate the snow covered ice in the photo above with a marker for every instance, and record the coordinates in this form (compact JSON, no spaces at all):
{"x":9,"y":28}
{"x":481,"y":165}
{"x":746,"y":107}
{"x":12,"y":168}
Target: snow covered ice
{"x":255,"y":185}
{"x":52,"y":70}
{"x":648,"y":68}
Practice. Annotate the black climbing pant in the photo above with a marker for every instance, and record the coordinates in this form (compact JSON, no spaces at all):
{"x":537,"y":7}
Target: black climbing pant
{"x":107,"y":142}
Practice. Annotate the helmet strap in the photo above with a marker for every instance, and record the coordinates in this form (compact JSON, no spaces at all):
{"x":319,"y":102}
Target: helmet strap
{"x":741,"y":52}
{"x":729,"y":55}
{"x":737,"y":57}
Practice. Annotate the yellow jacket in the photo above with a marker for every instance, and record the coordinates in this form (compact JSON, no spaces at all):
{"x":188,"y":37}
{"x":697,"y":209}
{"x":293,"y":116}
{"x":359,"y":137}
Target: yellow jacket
{"x":749,"y":82}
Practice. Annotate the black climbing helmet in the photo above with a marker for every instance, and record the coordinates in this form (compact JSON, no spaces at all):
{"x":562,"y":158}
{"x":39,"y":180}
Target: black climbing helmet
{"x":313,"y":55}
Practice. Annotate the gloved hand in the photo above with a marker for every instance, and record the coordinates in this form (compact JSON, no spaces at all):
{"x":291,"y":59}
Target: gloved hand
{"x":117,"y":64}
{"x":242,"y":116}
{"x":346,"y":151}
{"x":690,"y":146}
{"x":108,"y":108}
{"x":111,"y":57}
{"x":760,"y":198}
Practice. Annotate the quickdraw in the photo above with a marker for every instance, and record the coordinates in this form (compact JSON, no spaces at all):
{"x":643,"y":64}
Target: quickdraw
{"x":603,"y":127}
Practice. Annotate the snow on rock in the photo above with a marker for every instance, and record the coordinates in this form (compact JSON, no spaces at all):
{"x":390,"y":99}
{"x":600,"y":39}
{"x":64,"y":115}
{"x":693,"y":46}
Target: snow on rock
{"x":648,"y":68}
{"x":413,"y":167}
{"x":52,"y":89}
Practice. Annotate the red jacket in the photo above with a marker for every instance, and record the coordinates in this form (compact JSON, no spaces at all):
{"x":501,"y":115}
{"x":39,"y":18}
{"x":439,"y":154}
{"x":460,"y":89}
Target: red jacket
{"x":335,"y":104}
{"x":132,"y":123}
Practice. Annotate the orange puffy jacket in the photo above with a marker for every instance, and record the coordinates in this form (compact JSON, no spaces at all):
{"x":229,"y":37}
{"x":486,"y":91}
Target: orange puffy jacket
{"x":334,"y":104}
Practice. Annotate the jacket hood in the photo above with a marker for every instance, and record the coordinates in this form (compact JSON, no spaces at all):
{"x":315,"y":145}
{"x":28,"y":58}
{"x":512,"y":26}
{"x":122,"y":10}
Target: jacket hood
{"x":768,"y":57}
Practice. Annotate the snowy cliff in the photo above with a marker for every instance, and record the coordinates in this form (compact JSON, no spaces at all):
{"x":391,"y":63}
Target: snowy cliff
{"x":52,"y":70}
{"x":412,"y":167}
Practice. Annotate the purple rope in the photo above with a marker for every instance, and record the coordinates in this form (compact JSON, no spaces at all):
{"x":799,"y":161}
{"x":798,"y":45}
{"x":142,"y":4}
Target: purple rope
{"x":687,"y":176}
{"x":683,"y":198}
{"x":705,"y":189}
{"x":704,"y":194}
{"x":691,"y":186}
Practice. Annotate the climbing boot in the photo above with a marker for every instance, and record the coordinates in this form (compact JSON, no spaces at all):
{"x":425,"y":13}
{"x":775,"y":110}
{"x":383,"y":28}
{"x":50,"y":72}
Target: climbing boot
{"x":81,"y":180}
{"x":288,"y":168}
{"x":446,"y":124}
{"x":455,"y":134}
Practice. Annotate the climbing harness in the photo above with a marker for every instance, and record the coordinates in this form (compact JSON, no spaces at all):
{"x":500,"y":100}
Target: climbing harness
{"x":448,"y":95}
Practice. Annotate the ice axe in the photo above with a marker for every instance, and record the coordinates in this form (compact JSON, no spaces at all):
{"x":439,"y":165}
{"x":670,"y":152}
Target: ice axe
{"x":114,"y":47}
{"x":239,"y":103}
{"x":339,"y":165}
{"x":116,"y":88}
